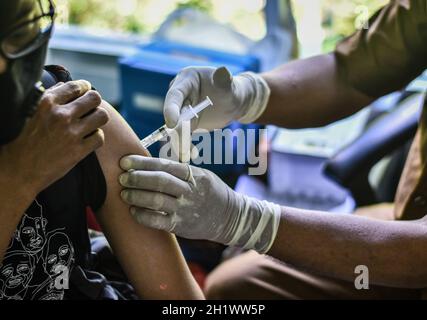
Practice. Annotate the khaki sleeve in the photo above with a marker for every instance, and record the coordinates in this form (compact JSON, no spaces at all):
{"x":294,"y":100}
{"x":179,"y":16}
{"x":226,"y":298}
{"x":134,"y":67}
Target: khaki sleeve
{"x":390,"y":53}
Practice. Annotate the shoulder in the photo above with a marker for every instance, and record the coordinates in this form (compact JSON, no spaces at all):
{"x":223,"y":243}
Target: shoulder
{"x":388,"y":51}
{"x":120,"y":140}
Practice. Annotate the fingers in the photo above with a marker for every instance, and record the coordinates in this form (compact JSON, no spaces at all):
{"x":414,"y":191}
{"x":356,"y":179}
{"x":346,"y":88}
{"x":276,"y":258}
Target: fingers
{"x":172,"y":107}
{"x":69,"y":91}
{"x":94,"y":141}
{"x":222,"y":78}
{"x":85,"y":104}
{"x":150,"y":200}
{"x":179,"y":91}
{"x":98,"y":118}
{"x":153,"y":219}
{"x":56,"y":85}
{"x":154,"y":181}
{"x":135,"y":162}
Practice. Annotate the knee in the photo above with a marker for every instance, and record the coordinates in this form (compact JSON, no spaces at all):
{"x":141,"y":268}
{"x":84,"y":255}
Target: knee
{"x":223,"y":285}
{"x":232,"y":279}
{"x":214,"y":290}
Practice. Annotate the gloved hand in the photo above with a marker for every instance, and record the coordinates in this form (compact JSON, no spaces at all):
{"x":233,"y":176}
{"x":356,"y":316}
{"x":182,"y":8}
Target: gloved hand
{"x":194,"y":203}
{"x":241,"y":98}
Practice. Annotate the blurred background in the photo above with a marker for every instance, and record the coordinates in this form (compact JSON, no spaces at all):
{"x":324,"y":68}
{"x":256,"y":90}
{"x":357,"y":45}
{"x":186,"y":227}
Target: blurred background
{"x":321,"y":22}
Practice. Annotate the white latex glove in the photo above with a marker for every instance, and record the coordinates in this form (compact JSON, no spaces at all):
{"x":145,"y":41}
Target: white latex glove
{"x":241,"y":98}
{"x":194,"y":203}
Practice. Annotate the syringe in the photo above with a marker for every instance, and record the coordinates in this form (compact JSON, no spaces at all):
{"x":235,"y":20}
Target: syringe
{"x":188,"y":114}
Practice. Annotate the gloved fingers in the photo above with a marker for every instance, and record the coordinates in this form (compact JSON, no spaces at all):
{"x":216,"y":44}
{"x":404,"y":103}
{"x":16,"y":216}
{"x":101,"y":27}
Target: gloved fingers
{"x":153,"y":219}
{"x":222,"y":78}
{"x":136,"y":162}
{"x":179,"y":91}
{"x":157,"y":181}
{"x":150,"y":200}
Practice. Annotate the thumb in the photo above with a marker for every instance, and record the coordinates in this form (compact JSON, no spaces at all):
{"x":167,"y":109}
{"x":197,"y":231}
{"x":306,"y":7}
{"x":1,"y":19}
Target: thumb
{"x":222,"y":78}
{"x":172,"y":107}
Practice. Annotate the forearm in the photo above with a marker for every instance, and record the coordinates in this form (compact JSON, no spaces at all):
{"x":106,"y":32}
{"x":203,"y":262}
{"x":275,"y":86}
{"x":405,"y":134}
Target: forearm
{"x":151,"y":259}
{"x":15,"y":198}
{"x":333,"y":245}
{"x":309,"y":93}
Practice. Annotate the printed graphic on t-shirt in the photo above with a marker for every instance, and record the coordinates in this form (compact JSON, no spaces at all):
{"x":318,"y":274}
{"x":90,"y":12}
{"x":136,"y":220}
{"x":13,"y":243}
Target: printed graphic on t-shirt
{"x":36,"y":257}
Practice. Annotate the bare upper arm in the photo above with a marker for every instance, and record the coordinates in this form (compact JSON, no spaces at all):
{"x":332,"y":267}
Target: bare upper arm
{"x":151,"y":258}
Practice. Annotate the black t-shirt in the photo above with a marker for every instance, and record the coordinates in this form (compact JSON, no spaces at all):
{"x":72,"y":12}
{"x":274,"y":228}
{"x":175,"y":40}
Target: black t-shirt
{"x":52,"y":239}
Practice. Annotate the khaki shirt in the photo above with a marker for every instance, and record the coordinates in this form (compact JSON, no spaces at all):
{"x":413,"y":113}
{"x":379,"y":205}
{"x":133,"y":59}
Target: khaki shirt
{"x":383,"y":58}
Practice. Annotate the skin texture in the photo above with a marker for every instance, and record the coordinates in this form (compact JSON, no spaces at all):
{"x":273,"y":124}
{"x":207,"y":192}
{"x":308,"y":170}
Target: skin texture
{"x":151,"y":259}
{"x":3,"y":65}
{"x":333,"y":245}
{"x":14,"y":201}
{"x":329,"y":99}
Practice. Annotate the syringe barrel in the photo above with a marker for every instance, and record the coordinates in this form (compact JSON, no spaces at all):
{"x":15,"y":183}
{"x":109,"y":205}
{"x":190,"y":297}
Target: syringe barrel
{"x":188,"y":114}
{"x":155,"y":136}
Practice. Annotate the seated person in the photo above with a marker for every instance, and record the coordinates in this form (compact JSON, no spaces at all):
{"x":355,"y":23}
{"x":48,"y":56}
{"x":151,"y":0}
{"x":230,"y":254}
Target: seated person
{"x":51,"y":236}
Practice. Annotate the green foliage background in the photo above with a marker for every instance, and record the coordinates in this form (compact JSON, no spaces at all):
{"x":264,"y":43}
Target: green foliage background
{"x":107,"y":14}
{"x":339,"y":16}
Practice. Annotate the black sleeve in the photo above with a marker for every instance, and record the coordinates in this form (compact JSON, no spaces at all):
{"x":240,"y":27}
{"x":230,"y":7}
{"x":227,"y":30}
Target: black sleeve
{"x":94,"y":186}
{"x":59,"y":73}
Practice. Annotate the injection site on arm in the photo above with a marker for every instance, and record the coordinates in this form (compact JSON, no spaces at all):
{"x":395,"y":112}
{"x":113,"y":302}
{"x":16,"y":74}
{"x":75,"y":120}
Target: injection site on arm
{"x":188,"y":114}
